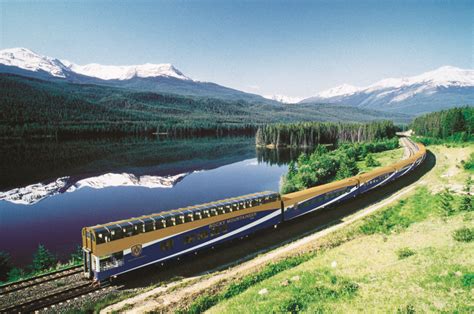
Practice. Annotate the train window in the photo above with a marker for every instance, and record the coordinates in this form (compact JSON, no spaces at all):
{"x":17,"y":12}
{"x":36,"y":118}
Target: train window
{"x":220,"y":210}
{"x":235,"y":206}
{"x":206,"y":213}
{"x":179,"y":219}
{"x":242,"y":205}
{"x":170,"y":221}
{"x":161,"y":224}
{"x":188,"y":239}
{"x":127,"y":229}
{"x":214,"y":231}
{"x":224,"y":229}
{"x":197,"y":215}
{"x":149,"y":225}
{"x":115,"y":233}
{"x":203,"y":235}
{"x":213,"y":212}
{"x":189,"y":217}
{"x":100,"y":238}
{"x":228,"y":208}
{"x":138,"y":227}
{"x":166,"y":245}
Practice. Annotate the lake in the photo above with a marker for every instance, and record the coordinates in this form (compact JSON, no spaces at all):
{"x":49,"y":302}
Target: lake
{"x":51,"y":189}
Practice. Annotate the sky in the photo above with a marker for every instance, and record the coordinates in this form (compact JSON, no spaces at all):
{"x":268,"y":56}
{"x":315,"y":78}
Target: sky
{"x":295,"y":48}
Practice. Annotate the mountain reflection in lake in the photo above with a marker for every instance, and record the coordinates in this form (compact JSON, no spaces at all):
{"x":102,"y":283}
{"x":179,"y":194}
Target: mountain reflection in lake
{"x":51,"y":189}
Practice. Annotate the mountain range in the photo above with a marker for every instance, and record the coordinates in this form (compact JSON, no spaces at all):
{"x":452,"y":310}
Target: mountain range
{"x":160,"y":78}
{"x":442,"y":88}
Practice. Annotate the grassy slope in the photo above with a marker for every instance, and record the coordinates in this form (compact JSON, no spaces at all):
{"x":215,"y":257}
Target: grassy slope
{"x":384,"y":158}
{"x":365,"y":274}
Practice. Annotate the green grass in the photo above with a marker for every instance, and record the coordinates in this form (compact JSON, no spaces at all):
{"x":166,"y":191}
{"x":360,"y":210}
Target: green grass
{"x":407,"y":249}
{"x":383,"y":158}
{"x":400,"y":216}
{"x":207,"y":301}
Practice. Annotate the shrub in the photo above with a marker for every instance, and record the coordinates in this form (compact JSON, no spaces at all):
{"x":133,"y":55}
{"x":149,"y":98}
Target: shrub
{"x":445,"y":202}
{"x":371,"y":162}
{"x":405,"y":252}
{"x":468,"y":280}
{"x":469,"y":164}
{"x":293,"y":305}
{"x":464,"y":234}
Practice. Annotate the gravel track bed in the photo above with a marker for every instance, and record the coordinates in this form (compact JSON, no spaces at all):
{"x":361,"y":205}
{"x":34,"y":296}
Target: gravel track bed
{"x":78,"y":302}
{"x":40,"y":290}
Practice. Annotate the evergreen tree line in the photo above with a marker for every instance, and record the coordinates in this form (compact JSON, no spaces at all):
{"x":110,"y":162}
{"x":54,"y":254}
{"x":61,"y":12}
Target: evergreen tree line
{"x":43,"y":260}
{"x":323,"y":166}
{"x":307,"y":134}
{"x":455,"y":123}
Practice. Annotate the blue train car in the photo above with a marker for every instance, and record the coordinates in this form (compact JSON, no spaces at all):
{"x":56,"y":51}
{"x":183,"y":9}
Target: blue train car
{"x":119,"y":247}
{"x":310,"y":200}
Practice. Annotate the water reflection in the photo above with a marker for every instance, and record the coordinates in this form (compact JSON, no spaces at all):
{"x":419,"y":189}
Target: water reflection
{"x":53,"y":189}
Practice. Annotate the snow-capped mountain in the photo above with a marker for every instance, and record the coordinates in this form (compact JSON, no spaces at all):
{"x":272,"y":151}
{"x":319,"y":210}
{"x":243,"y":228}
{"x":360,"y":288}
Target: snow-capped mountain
{"x":444,"y":87}
{"x":161,"y":78}
{"x":126,"y":72}
{"x":28,"y":60}
{"x":34,"y":193}
{"x":284,"y":99}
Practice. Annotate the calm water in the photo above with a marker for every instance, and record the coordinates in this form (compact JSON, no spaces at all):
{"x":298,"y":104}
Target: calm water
{"x":50,"y":190}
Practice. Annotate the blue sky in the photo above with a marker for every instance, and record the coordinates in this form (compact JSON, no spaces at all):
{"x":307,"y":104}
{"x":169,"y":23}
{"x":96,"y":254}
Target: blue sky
{"x":295,"y":48}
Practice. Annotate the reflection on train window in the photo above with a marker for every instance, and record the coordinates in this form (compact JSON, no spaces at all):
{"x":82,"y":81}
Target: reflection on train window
{"x":111,"y":261}
{"x":188,"y":239}
{"x":166,"y":245}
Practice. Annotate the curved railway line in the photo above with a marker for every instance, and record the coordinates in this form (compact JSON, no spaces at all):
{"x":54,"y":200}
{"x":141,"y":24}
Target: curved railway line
{"x":69,"y":284}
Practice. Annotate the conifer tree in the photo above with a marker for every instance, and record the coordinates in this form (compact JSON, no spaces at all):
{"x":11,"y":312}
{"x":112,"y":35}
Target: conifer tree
{"x":445,"y":202}
{"x":5,"y":265}
{"x":43,"y":259}
{"x":466,"y":201}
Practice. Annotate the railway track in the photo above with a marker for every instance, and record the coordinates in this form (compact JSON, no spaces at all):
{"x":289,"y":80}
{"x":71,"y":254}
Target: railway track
{"x":38,"y":280}
{"x":18,"y":299}
{"x":52,"y":298}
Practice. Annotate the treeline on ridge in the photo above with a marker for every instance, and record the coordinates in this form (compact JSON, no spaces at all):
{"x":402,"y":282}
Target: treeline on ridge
{"x":455,"y":123}
{"x":307,"y":134}
{"x":37,"y":108}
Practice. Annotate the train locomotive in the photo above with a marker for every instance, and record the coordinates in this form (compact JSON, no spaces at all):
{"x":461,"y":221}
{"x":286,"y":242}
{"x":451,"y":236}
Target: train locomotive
{"x":118,"y":247}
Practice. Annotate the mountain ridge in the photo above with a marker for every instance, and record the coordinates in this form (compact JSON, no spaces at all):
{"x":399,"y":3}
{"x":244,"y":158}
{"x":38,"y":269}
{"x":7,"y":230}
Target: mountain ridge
{"x":161,"y":78}
{"x":441,"y":88}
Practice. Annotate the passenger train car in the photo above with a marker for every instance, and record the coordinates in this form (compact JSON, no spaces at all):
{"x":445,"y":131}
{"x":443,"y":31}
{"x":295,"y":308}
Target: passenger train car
{"x":119,"y":247}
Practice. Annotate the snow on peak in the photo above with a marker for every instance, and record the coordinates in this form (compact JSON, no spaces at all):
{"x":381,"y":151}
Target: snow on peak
{"x":125,"y":72}
{"x":284,"y":99}
{"x":34,"y":193}
{"x":443,"y":76}
{"x":344,"y":89}
{"x":28,"y":60}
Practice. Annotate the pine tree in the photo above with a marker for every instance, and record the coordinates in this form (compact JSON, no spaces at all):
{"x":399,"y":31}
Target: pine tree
{"x":445,"y":202}
{"x":370,"y":161}
{"x":43,"y":259}
{"x":466,"y":201}
{"x":77,"y":255}
{"x":5,"y":265}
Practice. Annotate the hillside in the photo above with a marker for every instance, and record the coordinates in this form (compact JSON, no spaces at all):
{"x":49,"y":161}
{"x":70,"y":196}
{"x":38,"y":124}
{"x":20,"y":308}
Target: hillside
{"x":37,"y":107}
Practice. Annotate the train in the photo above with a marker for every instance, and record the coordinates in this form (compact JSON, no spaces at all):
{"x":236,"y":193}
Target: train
{"x":119,"y":247}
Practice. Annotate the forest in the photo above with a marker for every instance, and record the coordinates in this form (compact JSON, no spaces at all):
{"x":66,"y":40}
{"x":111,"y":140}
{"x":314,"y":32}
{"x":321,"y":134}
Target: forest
{"x":36,"y":108}
{"x":323,"y":166}
{"x":308,"y":134}
{"x":455,"y":124}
